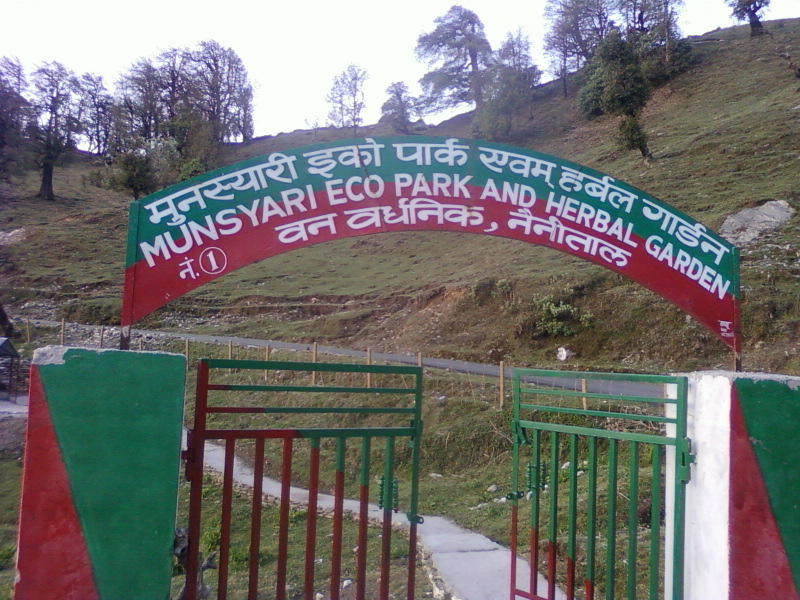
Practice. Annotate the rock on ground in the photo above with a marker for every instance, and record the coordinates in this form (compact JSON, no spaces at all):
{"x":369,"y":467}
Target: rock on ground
{"x":747,"y":225}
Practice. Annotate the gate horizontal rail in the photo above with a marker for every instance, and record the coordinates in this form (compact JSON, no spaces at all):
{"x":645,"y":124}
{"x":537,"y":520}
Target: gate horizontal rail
{"x":388,"y":495}
{"x":603,"y":467}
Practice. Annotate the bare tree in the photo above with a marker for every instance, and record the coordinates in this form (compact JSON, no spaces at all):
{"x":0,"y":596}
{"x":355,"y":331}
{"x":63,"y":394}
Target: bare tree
{"x":56,"y":122}
{"x":577,"y":26}
{"x":221,"y":91}
{"x":13,"y":109}
{"x":346,"y":98}
{"x":95,"y":104}
{"x":139,"y":93}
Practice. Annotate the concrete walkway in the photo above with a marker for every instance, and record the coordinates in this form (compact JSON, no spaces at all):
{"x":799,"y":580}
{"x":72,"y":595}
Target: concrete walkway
{"x":463,"y":565}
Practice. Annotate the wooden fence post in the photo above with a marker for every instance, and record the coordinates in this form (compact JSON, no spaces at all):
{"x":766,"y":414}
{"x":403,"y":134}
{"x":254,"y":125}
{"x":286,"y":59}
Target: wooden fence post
{"x":502,"y":384}
{"x":369,"y":362}
{"x":583,"y":389}
{"x":314,"y":359}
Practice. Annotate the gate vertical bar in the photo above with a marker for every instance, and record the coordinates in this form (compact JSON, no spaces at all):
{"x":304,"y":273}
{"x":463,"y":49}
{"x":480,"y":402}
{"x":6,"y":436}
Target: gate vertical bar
{"x":514,"y":526}
{"x":363,"y":521}
{"x":536,"y":490}
{"x":413,"y":516}
{"x":195,"y":443}
{"x":611,"y":525}
{"x":682,"y":458}
{"x":283,"y":523}
{"x":572,"y":518}
{"x":225,"y":525}
{"x":633,"y":519}
{"x":311,"y":527}
{"x":591,"y":526}
{"x":552,"y":495}
{"x":255,"y":519}
{"x":387,"y":501}
{"x":655,"y":522}
{"x":338,"y":516}
{"x":516,"y":441}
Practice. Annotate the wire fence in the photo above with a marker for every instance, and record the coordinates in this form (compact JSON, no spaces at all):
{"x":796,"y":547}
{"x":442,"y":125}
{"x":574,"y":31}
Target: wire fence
{"x":445,"y":380}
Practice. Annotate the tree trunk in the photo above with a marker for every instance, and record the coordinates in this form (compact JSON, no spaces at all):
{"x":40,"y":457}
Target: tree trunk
{"x":756,"y":27}
{"x":46,"y":189}
{"x":477,"y":84}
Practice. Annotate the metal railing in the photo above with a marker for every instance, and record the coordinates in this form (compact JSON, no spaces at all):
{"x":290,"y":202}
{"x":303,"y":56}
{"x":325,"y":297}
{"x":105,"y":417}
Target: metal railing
{"x":604,"y":482}
{"x":366,"y":394}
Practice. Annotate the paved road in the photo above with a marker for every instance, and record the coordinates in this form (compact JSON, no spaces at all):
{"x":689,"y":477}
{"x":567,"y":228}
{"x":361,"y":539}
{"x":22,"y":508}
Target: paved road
{"x":625,"y":388}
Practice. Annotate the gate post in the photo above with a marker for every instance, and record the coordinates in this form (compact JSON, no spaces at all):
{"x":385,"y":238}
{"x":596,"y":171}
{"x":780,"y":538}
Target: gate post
{"x":100,"y":476}
{"x":742,"y":527}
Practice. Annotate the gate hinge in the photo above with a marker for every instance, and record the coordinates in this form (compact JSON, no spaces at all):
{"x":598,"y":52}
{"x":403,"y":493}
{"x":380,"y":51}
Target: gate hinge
{"x":685,"y":460}
{"x":189,"y":456}
{"x":520,"y":434}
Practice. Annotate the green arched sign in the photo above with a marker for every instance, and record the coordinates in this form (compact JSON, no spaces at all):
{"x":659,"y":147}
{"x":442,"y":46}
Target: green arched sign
{"x":191,"y":233}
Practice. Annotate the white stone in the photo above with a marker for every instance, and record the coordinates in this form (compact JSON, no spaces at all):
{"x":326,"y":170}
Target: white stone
{"x":749,"y":224}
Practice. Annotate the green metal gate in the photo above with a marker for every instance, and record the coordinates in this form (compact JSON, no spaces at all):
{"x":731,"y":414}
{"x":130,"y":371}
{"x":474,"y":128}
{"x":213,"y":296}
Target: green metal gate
{"x":600,"y":463}
{"x":355,"y":418}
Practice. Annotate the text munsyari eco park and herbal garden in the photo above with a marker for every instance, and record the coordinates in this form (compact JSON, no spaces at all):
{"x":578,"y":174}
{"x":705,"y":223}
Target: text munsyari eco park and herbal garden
{"x":191,"y":233}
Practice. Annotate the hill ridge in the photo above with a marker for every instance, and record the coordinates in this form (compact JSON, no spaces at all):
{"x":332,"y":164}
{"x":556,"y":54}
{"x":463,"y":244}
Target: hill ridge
{"x":724,"y":135}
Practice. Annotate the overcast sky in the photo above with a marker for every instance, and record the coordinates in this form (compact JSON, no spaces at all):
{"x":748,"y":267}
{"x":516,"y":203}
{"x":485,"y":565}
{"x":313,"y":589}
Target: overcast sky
{"x":292,"y":49}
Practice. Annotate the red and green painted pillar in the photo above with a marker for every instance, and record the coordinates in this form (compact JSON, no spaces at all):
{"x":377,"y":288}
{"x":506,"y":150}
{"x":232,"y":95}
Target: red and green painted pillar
{"x":100,"y":476}
{"x":743,"y":501}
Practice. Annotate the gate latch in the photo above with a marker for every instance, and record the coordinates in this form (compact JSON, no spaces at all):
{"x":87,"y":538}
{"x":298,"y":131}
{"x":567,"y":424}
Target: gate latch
{"x":685,"y":460}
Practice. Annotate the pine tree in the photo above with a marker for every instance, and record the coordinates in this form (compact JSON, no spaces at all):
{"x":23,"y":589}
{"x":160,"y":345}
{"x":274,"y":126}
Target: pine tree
{"x":461,"y":54}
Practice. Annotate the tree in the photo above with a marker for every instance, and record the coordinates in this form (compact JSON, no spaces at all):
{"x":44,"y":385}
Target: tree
{"x":139,"y":92}
{"x":515,"y":75}
{"x":346,"y":98}
{"x":190,"y":100}
{"x":576,"y":28}
{"x":95,"y":105}
{"x":399,"y":108}
{"x":459,"y":47}
{"x":221,"y":91}
{"x":56,"y":122}
{"x":510,"y":89}
{"x":652,"y":25}
{"x":135,"y":172}
{"x":750,"y":10}
{"x":617,"y":86}
{"x":13,"y":110}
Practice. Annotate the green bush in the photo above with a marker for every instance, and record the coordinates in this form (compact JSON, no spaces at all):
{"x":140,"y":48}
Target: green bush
{"x":550,"y":318}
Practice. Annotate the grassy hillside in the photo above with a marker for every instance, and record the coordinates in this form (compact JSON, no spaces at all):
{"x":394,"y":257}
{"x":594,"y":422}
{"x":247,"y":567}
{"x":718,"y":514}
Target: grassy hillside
{"x":725,"y":136}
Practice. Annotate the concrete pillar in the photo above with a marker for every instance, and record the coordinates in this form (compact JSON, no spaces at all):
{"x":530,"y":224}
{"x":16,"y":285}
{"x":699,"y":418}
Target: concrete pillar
{"x":743,"y":500}
{"x":100,"y":475}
